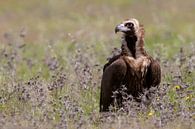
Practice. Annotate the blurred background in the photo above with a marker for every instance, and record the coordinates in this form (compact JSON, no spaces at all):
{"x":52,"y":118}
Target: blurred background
{"x":169,"y":24}
{"x":90,"y":21}
{"x":52,"y":54}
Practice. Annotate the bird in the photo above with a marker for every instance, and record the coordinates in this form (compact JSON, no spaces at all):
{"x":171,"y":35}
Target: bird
{"x":133,"y":67}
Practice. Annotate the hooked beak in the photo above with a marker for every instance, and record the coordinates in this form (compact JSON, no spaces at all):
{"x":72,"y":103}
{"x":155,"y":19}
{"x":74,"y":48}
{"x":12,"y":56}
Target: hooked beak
{"x":121,"y":28}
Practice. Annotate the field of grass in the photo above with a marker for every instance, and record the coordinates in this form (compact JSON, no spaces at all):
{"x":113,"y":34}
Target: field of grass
{"x":52,"y":54}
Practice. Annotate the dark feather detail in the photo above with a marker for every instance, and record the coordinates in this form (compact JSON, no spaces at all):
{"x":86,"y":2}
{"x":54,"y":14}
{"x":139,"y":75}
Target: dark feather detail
{"x":133,"y":67}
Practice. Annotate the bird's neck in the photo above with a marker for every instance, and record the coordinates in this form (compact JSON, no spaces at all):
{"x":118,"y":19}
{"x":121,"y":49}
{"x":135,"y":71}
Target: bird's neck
{"x":132,"y":46}
{"x":129,"y":45}
{"x":140,"y":51}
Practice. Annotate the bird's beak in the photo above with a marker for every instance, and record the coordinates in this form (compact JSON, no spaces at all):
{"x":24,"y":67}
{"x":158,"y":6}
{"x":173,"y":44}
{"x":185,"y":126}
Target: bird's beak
{"x":121,"y":28}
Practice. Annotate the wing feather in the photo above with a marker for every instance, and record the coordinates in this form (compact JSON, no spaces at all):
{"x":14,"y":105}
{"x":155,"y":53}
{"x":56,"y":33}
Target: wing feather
{"x":112,"y":79}
{"x":153,"y":76}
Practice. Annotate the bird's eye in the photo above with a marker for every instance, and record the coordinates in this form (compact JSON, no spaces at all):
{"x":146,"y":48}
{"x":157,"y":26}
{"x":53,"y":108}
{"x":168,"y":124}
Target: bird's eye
{"x":129,"y":25}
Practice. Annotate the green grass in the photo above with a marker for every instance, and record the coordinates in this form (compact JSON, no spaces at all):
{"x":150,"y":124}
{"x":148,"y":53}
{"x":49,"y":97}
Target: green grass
{"x":75,"y":38}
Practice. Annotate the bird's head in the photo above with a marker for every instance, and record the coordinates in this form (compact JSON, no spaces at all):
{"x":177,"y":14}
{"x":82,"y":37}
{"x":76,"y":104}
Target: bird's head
{"x":129,"y":27}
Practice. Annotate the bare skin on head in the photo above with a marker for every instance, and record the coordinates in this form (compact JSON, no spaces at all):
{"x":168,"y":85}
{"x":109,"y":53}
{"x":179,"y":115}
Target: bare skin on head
{"x":133,"y":67}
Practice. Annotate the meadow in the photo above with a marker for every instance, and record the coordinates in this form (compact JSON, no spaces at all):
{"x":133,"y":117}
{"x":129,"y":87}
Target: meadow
{"x":52,"y":55}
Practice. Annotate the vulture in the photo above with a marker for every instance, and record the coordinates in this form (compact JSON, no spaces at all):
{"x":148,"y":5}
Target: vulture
{"x":132,"y":68}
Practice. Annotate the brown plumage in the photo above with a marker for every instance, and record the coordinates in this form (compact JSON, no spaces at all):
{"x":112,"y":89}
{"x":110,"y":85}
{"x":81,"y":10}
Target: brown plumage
{"x":133,"y":67}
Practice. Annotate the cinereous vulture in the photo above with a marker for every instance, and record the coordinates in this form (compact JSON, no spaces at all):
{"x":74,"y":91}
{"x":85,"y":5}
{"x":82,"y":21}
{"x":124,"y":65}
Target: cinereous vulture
{"x":132,"y":68}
